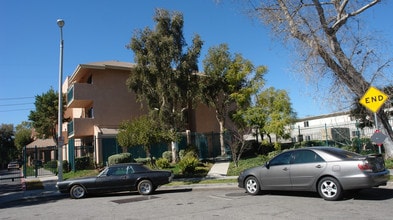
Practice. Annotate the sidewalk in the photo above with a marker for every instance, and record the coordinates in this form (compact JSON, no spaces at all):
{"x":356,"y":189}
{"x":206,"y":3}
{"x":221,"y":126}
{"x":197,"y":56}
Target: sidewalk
{"x":219,"y":169}
{"x":49,"y":183}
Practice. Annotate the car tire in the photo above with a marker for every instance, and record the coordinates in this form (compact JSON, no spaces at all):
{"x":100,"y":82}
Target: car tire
{"x":330,"y":189}
{"x":77,"y":192}
{"x":145,"y":187}
{"x":252,"y":186}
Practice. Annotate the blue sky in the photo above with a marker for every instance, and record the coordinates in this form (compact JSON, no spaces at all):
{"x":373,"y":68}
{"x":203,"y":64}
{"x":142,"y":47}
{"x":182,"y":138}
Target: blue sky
{"x":99,"y":30}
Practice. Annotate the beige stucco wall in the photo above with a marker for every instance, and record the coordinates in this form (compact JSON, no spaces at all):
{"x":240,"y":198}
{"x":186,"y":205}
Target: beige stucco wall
{"x":112,"y":102}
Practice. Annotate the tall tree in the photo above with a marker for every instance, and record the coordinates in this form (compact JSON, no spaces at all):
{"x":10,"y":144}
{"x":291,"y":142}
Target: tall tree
{"x":226,"y":85}
{"x":331,"y":43}
{"x":165,"y":75}
{"x":23,"y":135}
{"x":7,"y":148}
{"x":44,"y":118}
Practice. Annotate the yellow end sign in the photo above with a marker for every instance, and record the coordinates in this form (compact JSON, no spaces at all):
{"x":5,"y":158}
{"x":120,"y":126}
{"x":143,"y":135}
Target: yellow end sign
{"x":373,"y":99}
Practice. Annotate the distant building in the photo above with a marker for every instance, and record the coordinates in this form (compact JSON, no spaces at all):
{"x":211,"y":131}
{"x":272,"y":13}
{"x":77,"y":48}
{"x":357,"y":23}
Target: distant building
{"x":337,"y":127}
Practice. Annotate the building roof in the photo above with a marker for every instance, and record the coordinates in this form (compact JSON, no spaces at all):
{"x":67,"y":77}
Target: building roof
{"x":40,"y":143}
{"x":82,"y":68}
{"x":109,"y":65}
{"x":322,"y":116}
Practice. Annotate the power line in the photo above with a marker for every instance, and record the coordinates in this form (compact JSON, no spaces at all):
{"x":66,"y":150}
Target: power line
{"x":15,"y":98}
{"x":14,"y":110}
{"x":16,"y":104}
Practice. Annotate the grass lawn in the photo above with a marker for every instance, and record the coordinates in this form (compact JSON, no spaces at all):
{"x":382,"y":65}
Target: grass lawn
{"x":245,"y":164}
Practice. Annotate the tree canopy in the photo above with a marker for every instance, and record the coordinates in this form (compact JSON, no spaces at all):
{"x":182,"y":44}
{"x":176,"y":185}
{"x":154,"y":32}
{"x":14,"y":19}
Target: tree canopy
{"x":228,"y":83}
{"x":7,"y":148}
{"x":23,"y":135}
{"x":44,"y":118}
{"x":165,"y":75}
{"x":277,"y":112}
{"x":331,"y":44}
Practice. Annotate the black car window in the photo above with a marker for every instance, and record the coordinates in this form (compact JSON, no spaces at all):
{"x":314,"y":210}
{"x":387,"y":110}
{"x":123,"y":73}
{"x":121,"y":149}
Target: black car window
{"x":306,"y":156}
{"x":281,"y":159}
{"x":117,"y":171}
{"x":130,"y":170}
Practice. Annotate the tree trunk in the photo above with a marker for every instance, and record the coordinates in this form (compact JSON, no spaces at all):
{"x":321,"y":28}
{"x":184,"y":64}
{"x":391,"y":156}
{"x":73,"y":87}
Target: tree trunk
{"x":174,"y":151}
{"x":387,"y":130}
{"x":222,"y":138}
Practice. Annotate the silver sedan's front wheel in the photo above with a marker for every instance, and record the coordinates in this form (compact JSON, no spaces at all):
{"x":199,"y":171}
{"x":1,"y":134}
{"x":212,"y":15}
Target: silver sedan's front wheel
{"x":252,"y":186}
{"x":330,"y":189}
{"x":77,"y":192}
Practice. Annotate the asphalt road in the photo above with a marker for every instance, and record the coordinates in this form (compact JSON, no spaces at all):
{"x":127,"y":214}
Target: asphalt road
{"x":227,"y":202}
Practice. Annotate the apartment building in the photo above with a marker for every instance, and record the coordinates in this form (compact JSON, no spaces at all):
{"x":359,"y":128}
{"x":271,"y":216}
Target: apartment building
{"x":98,"y":100}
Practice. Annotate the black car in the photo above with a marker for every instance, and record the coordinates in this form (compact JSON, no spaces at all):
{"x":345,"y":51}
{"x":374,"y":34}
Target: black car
{"x":117,"y":178}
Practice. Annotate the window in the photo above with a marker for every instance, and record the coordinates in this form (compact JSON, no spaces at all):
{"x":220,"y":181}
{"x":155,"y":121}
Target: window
{"x":306,"y":156}
{"x":306,"y":124}
{"x":281,"y":159}
{"x":90,"y":113}
{"x":130,"y":170}
{"x":117,"y":171}
{"x":90,"y":79}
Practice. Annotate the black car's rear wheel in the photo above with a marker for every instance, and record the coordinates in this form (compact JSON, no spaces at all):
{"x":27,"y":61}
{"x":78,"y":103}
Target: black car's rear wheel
{"x":145,"y":187}
{"x":330,"y":189}
{"x":77,"y":192}
{"x":252,"y":186}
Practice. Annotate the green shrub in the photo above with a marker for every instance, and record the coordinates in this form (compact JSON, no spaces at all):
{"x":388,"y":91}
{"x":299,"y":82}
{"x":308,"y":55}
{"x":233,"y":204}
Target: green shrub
{"x":167,"y":155}
{"x":83,"y":163}
{"x":163,"y":163}
{"x":142,"y":160}
{"x":120,"y":158}
{"x":51,"y":164}
{"x":182,"y":153}
{"x":272,"y":154}
{"x":66,"y":166}
{"x":188,"y":164}
{"x":389,"y":163}
{"x":151,"y":162}
{"x":191,"y":150}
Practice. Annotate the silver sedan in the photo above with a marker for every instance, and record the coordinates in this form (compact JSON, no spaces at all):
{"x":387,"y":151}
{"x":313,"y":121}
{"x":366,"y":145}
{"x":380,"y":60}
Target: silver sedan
{"x":327,"y":170}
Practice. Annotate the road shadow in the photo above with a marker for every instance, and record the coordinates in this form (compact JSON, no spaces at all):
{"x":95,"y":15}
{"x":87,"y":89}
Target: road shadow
{"x":373,"y":194}
{"x":124,"y":194}
{"x":32,"y":201}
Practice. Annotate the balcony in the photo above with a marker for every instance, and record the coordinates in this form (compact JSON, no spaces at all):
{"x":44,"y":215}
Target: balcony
{"x":80,"y":127}
{"x":79,"y":95}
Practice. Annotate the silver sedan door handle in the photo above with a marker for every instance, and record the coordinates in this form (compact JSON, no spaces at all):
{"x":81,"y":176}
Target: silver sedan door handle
{"x":318,"y":166}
